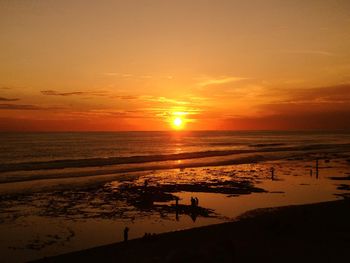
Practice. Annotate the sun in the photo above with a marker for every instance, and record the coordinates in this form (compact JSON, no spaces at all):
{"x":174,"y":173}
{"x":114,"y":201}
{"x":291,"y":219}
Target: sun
{"x":178,"y":123}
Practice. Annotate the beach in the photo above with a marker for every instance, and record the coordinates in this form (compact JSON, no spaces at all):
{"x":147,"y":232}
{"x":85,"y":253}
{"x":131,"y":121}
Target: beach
{"x":56,"y":200}
{"x":305,"y":233}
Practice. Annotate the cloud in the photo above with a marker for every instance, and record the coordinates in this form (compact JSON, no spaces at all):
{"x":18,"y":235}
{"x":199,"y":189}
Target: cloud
{"x":99,"y":113}
{"x":219,"y":81}
{"x":125,"y":97}
{"x":74,"y":93}
{"x":110,"y":74}
{"x":11,"y":87}
{"x":166,"y":113}
{"x":128,"y":75}
{"x":164,"y":100}
{"x":123,"y":75}
{"x":336,"y":94}
{"x":25,"y":107}
{"x":326,"y":107}
{"x":76,"y":124}
{"x":309,"y":52}
{"x":140,"y":113}
{"x":7,"y":99}
{"x":290,"y":120}
{"x":88,"y":93}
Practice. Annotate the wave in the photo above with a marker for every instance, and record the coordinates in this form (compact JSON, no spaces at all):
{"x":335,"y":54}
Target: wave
{"x":267,"y":144}
{"x":99,"y":162}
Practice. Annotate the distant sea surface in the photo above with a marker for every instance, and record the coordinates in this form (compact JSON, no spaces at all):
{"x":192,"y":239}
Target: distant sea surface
{"x":84,"y":149}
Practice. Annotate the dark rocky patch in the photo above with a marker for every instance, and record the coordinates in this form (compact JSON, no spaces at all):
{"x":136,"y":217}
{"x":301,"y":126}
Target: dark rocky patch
{"x":344,"y":187}
{"x":340,"y":178}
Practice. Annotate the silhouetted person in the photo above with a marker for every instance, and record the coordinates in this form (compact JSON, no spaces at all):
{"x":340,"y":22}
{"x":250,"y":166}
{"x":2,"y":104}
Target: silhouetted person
{"x":177,"y":208}
{"x":196,"y":201}
{"x":193,"y":202}
{"x":126,"y":234}
{"x":317,"y":168}
{"x":272,"y":173}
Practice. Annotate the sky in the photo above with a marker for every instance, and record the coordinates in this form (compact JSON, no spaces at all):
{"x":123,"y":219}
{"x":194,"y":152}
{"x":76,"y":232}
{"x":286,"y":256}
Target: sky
{"x":82,"y":65}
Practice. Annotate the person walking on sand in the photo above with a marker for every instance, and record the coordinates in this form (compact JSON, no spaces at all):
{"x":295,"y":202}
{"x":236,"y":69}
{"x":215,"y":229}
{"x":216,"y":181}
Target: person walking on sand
{"x":196,"y":201}
{"x":126,"y":234}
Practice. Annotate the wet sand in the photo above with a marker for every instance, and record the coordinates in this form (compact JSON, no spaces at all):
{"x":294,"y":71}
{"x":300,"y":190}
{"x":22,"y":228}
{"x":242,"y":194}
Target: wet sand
{"x":305,"y":233}
{"x":49,"y":223}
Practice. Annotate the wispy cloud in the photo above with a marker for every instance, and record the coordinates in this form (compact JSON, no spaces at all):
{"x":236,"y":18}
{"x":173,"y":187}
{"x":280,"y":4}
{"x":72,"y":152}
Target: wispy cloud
{"x":165,"y":113}
{"x":163,"y":100}
{"x":116,"y":74}
{"x":309,"y":52}
{"x":306,"y":101}
{"x":110,"y":74}
{"x":126,"y":75}
{"x":26,"y":107}
{"x":10,"y":87}
{"x":328,"y":94}
{"x":140,"y":113}
{"x":124,"y":97}
{"x":89,"y":93}
{"x":219,"y":81}
{"x":292,"y":120}
{"x":74,"y":93}
{"x":7,"y":99}
{"x":100,"y":113}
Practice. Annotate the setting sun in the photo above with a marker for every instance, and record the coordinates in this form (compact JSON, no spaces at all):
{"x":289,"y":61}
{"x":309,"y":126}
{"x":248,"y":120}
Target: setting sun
{"x":178,"y":123}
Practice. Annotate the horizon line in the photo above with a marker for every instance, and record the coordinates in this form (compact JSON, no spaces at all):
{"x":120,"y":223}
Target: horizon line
{"x":182,"y":131}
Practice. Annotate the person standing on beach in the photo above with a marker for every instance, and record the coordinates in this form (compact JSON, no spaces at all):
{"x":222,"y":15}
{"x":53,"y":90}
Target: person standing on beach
{"x":192,"y":202}
{"x":272,"y":173}
{"x":126,"y":234}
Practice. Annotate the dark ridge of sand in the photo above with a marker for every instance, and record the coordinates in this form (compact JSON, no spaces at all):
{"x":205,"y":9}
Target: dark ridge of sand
{"x":342,"y":178}
{"x":307,"y":233}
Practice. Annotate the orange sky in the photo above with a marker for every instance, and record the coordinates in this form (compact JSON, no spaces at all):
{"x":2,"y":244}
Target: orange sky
{"x":138,"y":64}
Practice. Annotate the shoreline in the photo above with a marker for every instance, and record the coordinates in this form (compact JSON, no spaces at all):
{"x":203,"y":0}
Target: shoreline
{"x":311,"y":232}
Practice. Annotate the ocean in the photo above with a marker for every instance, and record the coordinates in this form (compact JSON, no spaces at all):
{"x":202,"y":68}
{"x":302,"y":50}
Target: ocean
{"x":36,"y":151}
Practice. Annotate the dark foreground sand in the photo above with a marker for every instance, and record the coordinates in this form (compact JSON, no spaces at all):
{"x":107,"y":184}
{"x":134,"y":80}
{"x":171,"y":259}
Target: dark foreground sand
{"x":307,"y":233}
